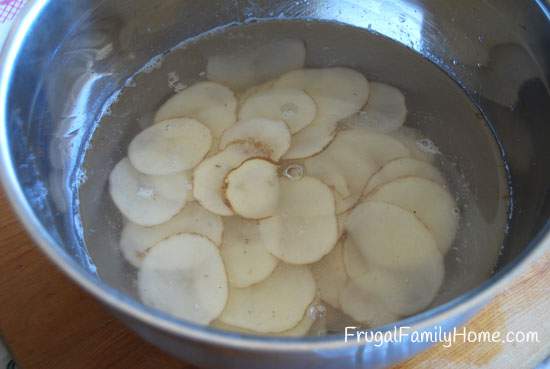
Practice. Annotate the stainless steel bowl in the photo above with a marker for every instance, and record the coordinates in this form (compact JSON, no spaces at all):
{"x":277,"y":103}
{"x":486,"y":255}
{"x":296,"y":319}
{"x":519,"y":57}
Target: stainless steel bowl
{"x":67,"y":58}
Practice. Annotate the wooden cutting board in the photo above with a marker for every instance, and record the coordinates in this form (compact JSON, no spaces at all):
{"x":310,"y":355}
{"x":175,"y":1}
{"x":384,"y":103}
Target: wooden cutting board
{"x":49,"y":323}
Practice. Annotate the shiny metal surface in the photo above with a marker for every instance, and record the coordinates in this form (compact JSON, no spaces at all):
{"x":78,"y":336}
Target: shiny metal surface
{"x":53,"y":85}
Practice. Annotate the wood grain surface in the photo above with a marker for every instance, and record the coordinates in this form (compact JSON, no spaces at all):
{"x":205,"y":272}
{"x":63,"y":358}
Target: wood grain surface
{"x":49,"y":323}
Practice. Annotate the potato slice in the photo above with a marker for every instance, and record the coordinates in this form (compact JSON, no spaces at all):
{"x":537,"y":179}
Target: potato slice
{"x":390,"y":236}
{"x":246,"y":259}
{"x":354,"y":262}
{"x":403,"y":292}
{"x":274,"y":134}
{"x":385,"y":110}
{"x":252,"y":189}
{"x":184,"y":276}
{"x":429,"y":201}
{"x":251,"y":91}
{"x":144,"y":199}
{"x":292,"y":106}
{"x":209,"y":176}
{"x":337,"y":92}
{"x":212,"y":104}
{"x":299,"y":330}
{"x":243,"y":68}
{"x":304,"y":228}
{"x":136,"y":240}
{"x":273,"y":305}
{"x":330,"y":275}
{"x":369,"y":145}
{"x":404,"y":167}
{"x":170,"y":146}
{"x":364,"y":308}
{"x":341,"y":161}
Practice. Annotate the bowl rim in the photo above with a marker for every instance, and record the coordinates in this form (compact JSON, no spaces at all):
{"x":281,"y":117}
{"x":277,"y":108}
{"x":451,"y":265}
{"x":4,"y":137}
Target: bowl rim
{"x":118,"y":301}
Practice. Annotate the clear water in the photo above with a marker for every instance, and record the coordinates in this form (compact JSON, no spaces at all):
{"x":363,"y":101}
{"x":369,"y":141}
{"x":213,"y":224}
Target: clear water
{"x":442,"y":122}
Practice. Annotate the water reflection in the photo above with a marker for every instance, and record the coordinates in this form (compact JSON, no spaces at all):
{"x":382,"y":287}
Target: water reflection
{"x":402,"y":21}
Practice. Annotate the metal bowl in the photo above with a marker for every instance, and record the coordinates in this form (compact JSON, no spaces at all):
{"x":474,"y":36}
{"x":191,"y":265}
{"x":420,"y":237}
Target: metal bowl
{"x":66,"y":60}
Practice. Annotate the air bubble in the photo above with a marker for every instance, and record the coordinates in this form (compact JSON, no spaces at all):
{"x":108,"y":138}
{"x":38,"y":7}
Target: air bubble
{"x":316,"y":311}
{"x":427,"y":145}
{"x":289,"y":110}
{"x":294,"y":172}
{"x":145,"y":192}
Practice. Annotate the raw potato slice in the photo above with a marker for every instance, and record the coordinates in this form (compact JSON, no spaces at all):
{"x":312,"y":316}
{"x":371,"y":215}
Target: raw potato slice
{"x":273,"y":305}
{"x":212,"y":104}
{"x":299,"y":330}
{"x":354,"y":262}
{"x":246,"y":259}
{"x":253,"y":189}
{"x":274,"y":134}
{"x":144,"y":199}
{"x":136,"y":240}
{"x":184,"y":276}
{"x":337,"y":92}
{"x":341,"y":161}
{"x":404,"y":292}
{"x":292,"y":106}
{"x":429,"y":201}
{"x":375,"y":146}
{"x":304,"y":228}
{"x":404,"y":167}
{"x":170,"y":146}
{"x":365,"y":308}
{"x":251,"y":91}
{"x":391,"y":237}
{"x":330,"y":275}
{"x":243,"y":68}
{"x":385,"y":110}
{"x":209,"y":176}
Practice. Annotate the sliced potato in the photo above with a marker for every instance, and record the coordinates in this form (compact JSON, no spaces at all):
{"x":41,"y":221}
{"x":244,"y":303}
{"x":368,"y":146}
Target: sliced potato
{"x":364,"y":308}
{"x":304,"y":228}
{"x":252,"y":189}
{"x":170,"y":146}
{"x":212,"y":104}
{"x":292,"y":106}
{"x":209,"y":176}
{"x":184,"y":276}
{"x":136,"y":240}
{"x":274,"y":134}
{"x":354,"y":261}
{"x":404,"y":167}
{"x":337,"y":92}
{"x":375,"y":146}
{"x":274,"y":305}
{"x":390,"y":236}
{"x":251,"y":91}
{"x":404,"y":292}
{"x":429,"y":201}
{"x":144,"y":199}
{"x":243,"y":68}
{"x":341,"y":161}
{"x":385,"y":110}
{"x":246,"y":259}
{"x":299,"y":330}
{"x":330,"y":275}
